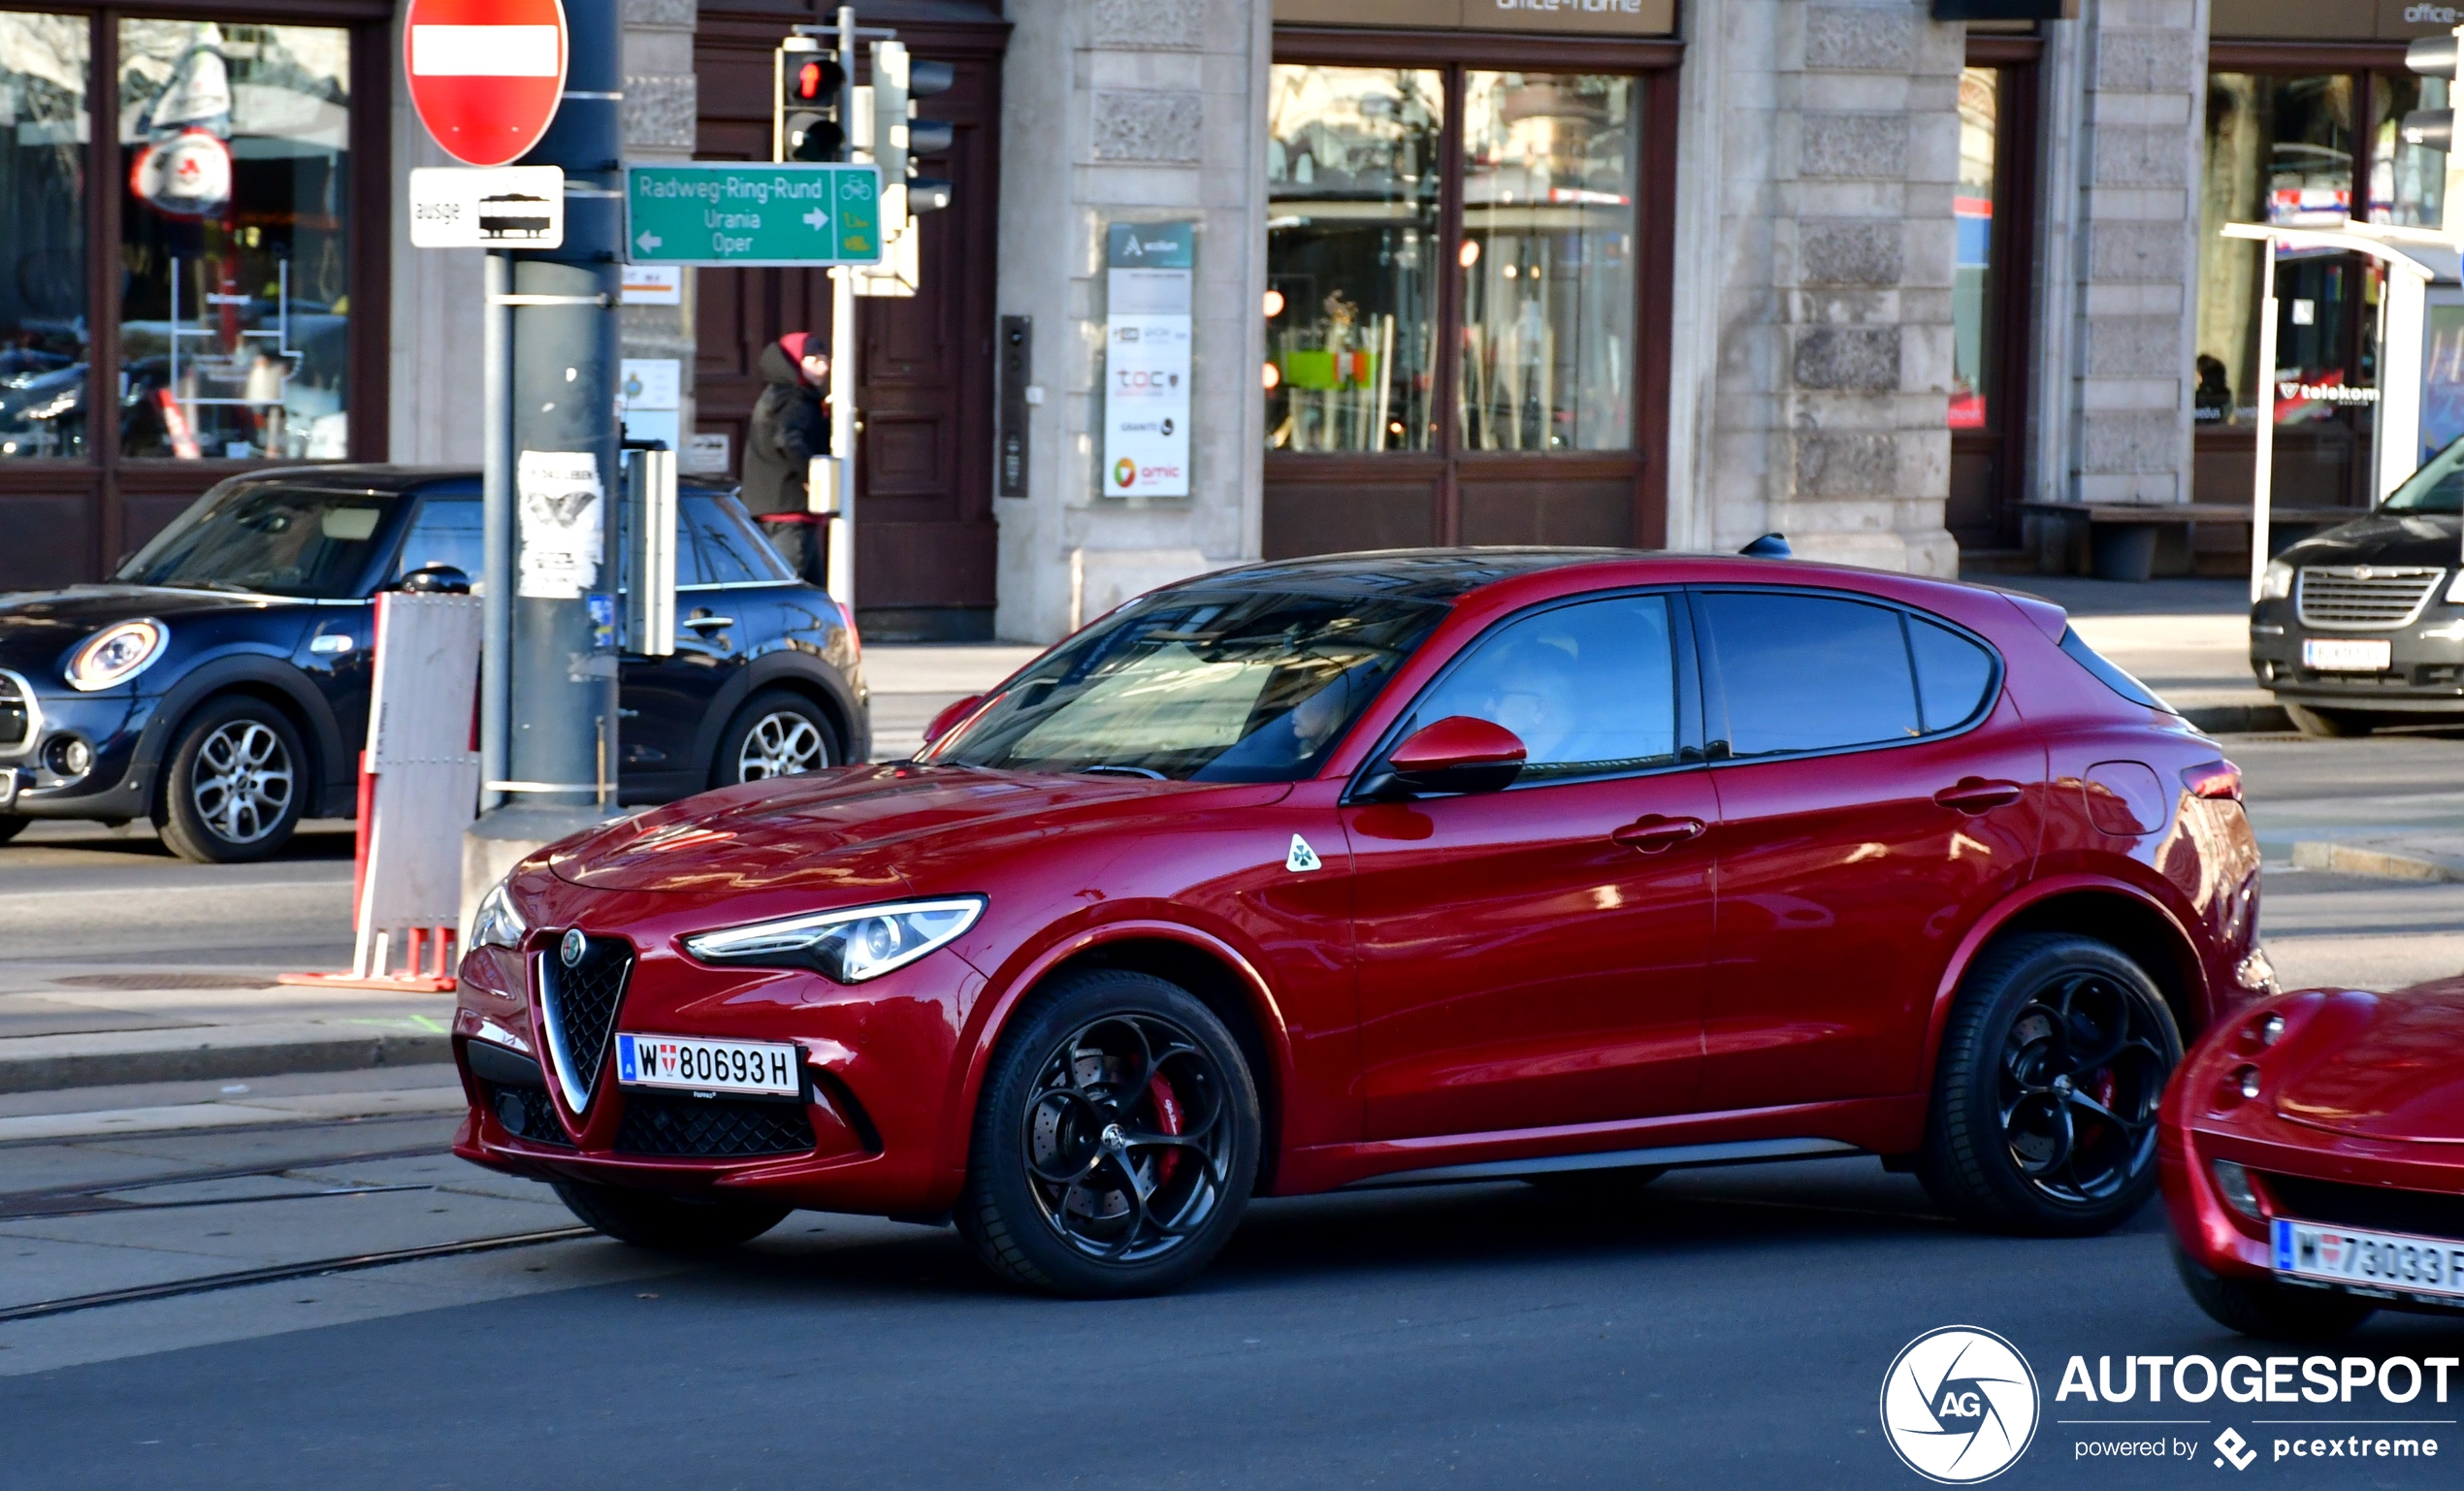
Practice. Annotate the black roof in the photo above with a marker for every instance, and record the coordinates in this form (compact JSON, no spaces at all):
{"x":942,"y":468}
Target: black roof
{"x":1422,"y":574}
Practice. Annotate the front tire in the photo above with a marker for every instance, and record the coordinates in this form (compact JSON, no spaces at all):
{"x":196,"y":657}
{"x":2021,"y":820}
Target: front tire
{"x":238,"y":782}
{"x":2045,"y":1096}
{"x":667,"y":1224}
{"x":2270,"y":1311}
{"x":2328,"y":724}
{"x":774,"y":733}
{"x":1116,"y":1142}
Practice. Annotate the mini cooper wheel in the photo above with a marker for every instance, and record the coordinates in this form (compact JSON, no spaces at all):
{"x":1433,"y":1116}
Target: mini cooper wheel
{"x":2043,"y":1117}
{"x":668,"y":1225}
{"x":238,"y":782}
{"x":1116,"y":1142}
{"x":775,"y":734}
{"x":2269,"y":1311}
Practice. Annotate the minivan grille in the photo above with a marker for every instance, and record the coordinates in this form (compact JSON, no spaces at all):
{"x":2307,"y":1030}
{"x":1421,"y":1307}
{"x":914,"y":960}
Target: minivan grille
{"x":16,"y":715}
{"x":657,"y":1123}
{"x":2362,"y":597}
{"x":581,"y":1003}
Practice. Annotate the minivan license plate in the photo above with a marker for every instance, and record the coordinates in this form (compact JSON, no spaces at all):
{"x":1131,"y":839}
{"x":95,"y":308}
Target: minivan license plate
{"x":706,"y":1066}
{"x":2369,"y":1260}
{"x":2348,"y":654}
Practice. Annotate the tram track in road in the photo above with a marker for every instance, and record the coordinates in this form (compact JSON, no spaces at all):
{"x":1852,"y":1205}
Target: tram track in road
{"x":18,"y":1206}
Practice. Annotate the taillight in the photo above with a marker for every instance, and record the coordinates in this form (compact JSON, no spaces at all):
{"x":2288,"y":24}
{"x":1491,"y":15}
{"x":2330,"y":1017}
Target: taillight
{"x":2216,"y":780}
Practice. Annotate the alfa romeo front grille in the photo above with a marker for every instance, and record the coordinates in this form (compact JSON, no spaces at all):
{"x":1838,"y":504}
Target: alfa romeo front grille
{"x":16,"y":713}
{"x":2362,"y":597}
{"x":711,"y":1127}
{"x":2422,"y":1213}
{"x":581,"y":1001}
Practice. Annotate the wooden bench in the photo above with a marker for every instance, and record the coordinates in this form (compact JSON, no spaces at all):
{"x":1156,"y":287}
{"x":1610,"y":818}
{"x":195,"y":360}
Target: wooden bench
{"x":2129,"y":542}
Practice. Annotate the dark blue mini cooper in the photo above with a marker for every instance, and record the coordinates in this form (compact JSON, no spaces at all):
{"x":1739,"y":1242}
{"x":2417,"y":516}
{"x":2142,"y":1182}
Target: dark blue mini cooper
{"x":218,"y":684}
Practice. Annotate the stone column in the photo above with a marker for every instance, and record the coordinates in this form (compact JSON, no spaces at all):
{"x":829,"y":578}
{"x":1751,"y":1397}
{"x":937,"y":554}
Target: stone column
{"x":661,"y":104}
{"x":1818,"y":157}
{"x":1129,"y":110}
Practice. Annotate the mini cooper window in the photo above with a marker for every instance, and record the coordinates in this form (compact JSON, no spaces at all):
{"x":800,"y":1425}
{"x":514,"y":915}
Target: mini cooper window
{"x":1801,"y":672}
{"x":721,"y":546}
{"x":448,"y":531}
{"x":1235,"y":686}
{"x":275,"y":541}
{"x":1590,"y":689}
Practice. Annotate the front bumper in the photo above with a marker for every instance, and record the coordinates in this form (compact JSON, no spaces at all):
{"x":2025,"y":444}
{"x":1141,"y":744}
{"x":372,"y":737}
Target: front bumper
{"x":114,"y":787}
{"x":2425,"y":673}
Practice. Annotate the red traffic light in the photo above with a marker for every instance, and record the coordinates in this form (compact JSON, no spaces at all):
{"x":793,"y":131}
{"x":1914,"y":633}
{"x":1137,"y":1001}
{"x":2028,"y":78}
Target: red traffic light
{"x":816,"y":81}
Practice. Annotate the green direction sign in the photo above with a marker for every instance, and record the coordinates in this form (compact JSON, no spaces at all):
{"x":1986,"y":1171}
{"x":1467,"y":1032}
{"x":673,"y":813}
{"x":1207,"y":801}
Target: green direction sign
{"x":731,"y":213}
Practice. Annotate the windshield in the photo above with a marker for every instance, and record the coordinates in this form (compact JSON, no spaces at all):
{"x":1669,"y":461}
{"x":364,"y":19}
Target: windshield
{"x":1238,"y":686}
{"x":2437,"y":487}
{"x":278,"y":540}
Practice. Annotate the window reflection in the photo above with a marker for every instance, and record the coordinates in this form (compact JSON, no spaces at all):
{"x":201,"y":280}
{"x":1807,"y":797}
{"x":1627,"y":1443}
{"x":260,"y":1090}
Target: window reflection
{"x":1352,"y":183}
{"x":1547,"y":261}
{"x":43,"y":63}
{"x":1973,"y":208}
{"x":234,"y":245}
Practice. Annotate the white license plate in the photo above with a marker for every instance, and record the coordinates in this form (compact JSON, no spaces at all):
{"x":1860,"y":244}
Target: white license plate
{"x":2370,"y":1260}
{"x":2348,"y":654}
{"x":697,"y":1065}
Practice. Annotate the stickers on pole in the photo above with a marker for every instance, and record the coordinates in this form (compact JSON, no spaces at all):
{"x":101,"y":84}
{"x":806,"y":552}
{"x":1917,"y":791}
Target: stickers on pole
{"x":560,"y":523}
{"x":1148,"y":271}
{"x":503,"y":207}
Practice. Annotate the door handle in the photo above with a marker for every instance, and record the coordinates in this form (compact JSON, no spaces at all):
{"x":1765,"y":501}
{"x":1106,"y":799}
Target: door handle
{"x":1975,"y":794}
{"x":704,"y":623}
{"x":1653,"y":834}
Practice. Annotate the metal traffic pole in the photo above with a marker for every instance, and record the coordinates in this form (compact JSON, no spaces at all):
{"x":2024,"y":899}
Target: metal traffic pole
{"x":842,"y":357}
{"x":496,"y":504}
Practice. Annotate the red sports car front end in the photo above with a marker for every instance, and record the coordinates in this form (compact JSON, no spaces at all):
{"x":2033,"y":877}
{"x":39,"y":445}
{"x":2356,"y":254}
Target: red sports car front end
{"x":2312,"y":1157}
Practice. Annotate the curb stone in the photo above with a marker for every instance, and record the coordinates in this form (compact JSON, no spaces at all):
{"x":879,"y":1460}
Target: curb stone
{"x":2367,"y":860}
{"x":48,"y":1063}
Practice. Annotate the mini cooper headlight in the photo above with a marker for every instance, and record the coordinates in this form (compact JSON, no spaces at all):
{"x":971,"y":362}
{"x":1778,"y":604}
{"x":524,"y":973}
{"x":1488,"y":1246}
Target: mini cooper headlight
{"x":497,"y":925}
{"x":848,"y":946}
{"x":116,"y":653}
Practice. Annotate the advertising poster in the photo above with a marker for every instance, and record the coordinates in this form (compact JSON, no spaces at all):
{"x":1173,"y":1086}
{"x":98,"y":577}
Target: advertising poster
{"x":1147,"y":269}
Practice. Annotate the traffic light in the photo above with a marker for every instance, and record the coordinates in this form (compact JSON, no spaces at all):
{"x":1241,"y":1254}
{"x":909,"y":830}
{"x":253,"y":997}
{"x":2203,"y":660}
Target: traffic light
{"x":2431,"y":56}
{"x":805,"y":122}
{"x":899,"y":135}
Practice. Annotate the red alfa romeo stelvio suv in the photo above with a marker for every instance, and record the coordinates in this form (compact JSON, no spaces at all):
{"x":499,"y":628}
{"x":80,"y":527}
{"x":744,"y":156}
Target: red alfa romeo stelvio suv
{"x":1391,"y":869}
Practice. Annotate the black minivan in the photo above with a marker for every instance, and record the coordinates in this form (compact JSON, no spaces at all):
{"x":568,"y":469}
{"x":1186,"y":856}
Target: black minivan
{"x":218,"y":684}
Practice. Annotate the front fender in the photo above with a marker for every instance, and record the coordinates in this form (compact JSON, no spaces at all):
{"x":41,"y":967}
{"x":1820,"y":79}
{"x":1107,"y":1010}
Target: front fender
{"x":249,"y":665}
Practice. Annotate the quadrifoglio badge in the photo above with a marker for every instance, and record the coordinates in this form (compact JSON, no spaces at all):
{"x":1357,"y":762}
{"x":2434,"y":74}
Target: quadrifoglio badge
{"x":1961,"y":1404}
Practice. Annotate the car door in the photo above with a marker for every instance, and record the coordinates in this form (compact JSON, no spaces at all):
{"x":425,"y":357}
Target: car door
{"x":1877,"y":792}
{"x":1536,"y":955}
{"x":339,"y":650}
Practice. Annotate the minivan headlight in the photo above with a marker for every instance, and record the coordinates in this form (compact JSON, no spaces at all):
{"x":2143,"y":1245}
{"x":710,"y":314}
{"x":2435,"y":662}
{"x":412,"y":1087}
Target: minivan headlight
{"x":2276,"y":582}
{"x":495,"y":924}
{"x":849,"y":946}
{"x":2455,"y":589}
{"x":116,"y":653}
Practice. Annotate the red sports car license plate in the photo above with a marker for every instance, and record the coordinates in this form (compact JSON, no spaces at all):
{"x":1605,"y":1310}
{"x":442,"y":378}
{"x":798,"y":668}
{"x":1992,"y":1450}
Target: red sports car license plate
{"x":702,"y":1066}
{"x":2370,"y":1260}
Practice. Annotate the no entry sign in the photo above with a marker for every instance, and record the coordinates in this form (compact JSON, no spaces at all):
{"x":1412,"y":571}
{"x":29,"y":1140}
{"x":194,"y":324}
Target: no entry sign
{"x":485,"y":75}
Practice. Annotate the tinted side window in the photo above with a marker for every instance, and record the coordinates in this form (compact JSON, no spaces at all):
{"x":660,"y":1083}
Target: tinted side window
{"x":447,"y":532}
{"x":1807,"y":672}
{"x":1590,"y":688}
{"x":721,"y":545}
{"x":1952,"y":674}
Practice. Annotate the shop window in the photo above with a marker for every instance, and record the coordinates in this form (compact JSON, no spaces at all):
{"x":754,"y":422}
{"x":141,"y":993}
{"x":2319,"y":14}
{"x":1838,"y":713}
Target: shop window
{"x":44,"y":64}
{"x":1972,"y":339}
{"x":1353,"y":176}
{"x":1549,"y":163}
{"x":2408,"y":184}
{"x":233,"y":241}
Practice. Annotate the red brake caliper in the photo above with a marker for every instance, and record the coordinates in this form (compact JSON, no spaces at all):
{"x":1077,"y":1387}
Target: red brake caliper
{"x":1167,"y":1121}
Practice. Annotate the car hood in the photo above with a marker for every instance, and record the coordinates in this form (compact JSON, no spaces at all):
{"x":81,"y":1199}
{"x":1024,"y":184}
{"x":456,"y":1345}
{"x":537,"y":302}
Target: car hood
{"x":2388,"y":1066}
{"x":36,"y":626}
{"x":862,"y":829}
{"x":2383,"y":538}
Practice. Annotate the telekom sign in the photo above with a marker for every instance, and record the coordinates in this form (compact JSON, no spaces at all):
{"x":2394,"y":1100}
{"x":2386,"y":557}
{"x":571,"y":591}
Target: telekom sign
{"x":485,"y":75}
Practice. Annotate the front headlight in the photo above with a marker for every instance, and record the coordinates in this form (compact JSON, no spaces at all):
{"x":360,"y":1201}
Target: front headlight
{"x":2276,"y":582}
{"x":497,"y":925}
{"x":2455,"y":589}
{"x":848,"y":946}
{"x":116,"y":653}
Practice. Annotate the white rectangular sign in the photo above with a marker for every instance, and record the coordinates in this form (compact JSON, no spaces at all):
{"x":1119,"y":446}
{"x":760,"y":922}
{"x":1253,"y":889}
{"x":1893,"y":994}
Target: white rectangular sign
{"x":654,"y":284}
{"x":1147,"y":282}
{"x":502,"y":207}
{"x":560,"y":522}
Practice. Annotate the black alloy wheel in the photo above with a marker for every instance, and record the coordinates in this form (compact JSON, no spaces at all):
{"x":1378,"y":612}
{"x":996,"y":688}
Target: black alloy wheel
{"x":238,"y":782}
{"x":1116,"y":1142}
{"x":2043,"y":1117}
{"x":668,"y":1225}
{"x":774,"y":733}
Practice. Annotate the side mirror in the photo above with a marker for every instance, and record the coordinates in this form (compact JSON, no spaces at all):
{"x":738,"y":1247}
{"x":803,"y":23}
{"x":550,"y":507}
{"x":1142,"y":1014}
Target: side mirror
{"x":436,"y":580}
{"x":1457,"y":753}
{"x":947,"y":719}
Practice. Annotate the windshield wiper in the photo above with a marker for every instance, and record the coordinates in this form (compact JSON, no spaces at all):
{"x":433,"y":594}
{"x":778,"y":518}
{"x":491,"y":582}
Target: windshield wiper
{"x":1127,"y":771}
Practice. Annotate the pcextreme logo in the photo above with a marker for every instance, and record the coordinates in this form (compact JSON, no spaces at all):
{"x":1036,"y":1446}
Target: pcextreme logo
{"x":1959,"y":1404}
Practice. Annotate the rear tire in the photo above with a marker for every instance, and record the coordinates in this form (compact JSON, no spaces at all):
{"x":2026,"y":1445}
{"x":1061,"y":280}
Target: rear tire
{"x":774,"y":733}
{"x":2329,"y":723}
{"x":1116,"y":1142}
{"x":2270,"y":1311}
{"x":2045,"y":1095}
{"x":238,"y":782}
{"x":667,"y":1224}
